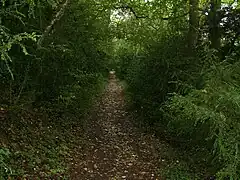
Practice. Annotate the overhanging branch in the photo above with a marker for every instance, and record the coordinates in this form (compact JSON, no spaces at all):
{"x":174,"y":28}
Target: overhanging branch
{"x":57,"y":17}
{"x":137,"y":17}
{"x":126,"y":7}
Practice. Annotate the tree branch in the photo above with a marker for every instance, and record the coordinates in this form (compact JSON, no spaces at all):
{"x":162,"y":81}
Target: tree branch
{"x":142,"y":17}
{"x":169,"y":18}
{"x":134,"y":13}
{"x":57,"y":17}
{"x":131,"y":10}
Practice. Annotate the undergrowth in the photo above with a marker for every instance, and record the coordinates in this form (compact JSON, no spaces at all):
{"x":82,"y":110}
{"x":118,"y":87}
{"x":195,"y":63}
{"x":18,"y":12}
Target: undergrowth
{"x":48,"y":82}
{"x":192,"y":101}
{"x":37,"y":143}
{"x":210,"y":117}
{"x":179,"y":171}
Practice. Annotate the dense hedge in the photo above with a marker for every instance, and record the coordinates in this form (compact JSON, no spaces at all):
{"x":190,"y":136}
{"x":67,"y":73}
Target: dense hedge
{"x":194,"y":98}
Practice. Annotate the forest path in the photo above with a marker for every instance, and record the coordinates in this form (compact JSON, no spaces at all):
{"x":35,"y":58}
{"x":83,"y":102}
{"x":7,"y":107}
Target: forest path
{"x":115,"y":148}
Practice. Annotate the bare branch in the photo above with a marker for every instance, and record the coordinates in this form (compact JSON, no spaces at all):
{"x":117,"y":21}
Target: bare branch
{"x":57,"y":17}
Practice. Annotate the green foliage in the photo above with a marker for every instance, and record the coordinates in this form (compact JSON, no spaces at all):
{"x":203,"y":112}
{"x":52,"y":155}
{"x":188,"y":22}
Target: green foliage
{"x":73,"y":45}
{"x":155,"y":73}
{"x":41,"y":160}
{"x":78,"y":97}
{"x":60,"y":78}
{"x":192,"y":94}
{"x":40,"y":142}
{"x":5,"y":169}
{"x":201,"y":111}
{"x":178,"y":171}
{"x":210,"y":116}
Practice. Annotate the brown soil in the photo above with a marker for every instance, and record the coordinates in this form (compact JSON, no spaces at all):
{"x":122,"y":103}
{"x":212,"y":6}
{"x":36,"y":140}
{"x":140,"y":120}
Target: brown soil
{"x":114,"y":148}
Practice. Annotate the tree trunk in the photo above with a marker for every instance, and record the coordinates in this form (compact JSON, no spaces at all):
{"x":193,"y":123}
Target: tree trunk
{"x":214,"y":24}
{"x":193,"y":23}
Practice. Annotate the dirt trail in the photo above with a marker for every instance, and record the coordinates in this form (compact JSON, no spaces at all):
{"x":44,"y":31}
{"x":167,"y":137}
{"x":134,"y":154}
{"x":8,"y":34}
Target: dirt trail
{"x":115,"y":148}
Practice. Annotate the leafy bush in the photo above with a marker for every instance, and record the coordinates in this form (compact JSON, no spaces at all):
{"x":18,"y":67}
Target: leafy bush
{"x":5,"y":169}
{"x":195,"y":98}
{"x":210,"y":117}
{"x":41,"y":73}
{"x":178,"y":171}
{"x":158,"y":71}
{"x":58,"y":78}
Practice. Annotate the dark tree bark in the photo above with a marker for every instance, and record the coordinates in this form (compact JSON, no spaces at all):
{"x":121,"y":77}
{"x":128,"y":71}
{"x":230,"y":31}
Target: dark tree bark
{"x":214,"y":24}
{"x":193,"y":23}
